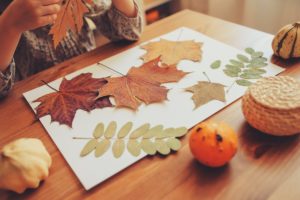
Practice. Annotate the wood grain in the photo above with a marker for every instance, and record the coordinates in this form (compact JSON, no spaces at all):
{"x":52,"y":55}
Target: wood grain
{"x":265,"y":167}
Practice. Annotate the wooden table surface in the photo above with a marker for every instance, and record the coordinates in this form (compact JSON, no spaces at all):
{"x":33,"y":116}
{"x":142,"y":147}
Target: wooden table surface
{"x":265,"y":167}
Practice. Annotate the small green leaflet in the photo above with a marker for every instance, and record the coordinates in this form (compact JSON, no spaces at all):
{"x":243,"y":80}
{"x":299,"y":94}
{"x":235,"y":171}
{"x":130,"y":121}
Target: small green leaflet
{"x":216,"y":64}
{"x":151,"y":140}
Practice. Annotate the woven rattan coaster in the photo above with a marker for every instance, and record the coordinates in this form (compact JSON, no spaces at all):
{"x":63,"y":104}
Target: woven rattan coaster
{"x":272,"y":105}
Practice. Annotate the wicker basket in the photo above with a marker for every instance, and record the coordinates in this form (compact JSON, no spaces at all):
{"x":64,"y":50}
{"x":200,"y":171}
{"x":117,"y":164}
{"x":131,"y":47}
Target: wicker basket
{"x":272,"y":105}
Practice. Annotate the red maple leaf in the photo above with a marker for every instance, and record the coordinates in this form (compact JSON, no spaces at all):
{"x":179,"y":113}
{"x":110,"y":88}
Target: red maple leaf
{"x":141,"y":84}
{"x":77,"y":93}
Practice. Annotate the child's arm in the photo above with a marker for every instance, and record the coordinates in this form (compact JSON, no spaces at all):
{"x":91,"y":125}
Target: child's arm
{"x":123,"y":20}
{"x":20,"y":16}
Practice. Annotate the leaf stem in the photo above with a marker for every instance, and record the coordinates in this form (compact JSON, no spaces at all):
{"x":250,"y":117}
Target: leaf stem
{"x":49,"y":86}
{"x":230,"y":86}
{"x":99,"y":63}
{"x":204,"y":73}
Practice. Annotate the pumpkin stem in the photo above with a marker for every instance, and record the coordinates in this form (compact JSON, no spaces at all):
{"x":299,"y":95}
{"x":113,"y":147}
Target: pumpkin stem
{"x":296,"y":24}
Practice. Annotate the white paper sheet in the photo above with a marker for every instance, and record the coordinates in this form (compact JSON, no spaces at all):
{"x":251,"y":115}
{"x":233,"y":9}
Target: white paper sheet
{"x":176,"y":112}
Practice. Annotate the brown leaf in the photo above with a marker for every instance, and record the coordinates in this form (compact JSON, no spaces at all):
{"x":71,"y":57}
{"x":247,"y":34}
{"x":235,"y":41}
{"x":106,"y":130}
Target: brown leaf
{"x":205,"y":92}
{"x":172,"y":52}
{"x":70,"y":17}
{"x":77,"y":93}
{"x":141,"y":84}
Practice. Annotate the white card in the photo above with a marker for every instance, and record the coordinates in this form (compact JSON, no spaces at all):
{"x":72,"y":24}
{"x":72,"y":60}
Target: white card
{"x":177,"y":111}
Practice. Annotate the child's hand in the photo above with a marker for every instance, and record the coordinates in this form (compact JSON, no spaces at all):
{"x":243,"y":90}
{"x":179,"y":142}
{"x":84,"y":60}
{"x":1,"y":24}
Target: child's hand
{"x":23,"y":15}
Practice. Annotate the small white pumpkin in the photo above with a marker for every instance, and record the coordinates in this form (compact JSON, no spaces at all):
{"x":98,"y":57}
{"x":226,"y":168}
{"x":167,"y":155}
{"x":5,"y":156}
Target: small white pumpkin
{"x":23,"y":164}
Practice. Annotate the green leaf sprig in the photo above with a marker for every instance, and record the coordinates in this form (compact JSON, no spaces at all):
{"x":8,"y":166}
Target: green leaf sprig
{"x":244,"y":68}
{"x":150,"y":140}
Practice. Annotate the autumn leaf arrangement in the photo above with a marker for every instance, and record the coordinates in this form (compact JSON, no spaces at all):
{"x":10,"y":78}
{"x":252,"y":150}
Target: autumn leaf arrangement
{"x":147,"y":139}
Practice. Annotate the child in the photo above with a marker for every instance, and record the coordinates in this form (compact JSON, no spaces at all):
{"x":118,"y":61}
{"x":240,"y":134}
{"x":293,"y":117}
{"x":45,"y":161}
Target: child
{"x":27,"y":48}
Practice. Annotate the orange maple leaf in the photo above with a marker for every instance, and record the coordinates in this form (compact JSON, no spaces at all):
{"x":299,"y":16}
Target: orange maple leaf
{"x":70,"y":17}
{"x":77,"y":93}
{"x":141,"y":84}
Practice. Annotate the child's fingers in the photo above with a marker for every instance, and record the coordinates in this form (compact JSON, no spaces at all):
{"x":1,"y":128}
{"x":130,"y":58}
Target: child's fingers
{"x":50,"y":2}
{"x":49,"y":10}
{"x":45,"y":20}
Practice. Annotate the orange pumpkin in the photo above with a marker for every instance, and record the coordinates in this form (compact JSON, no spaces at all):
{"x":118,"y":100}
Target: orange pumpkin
{"x":213,"y":144}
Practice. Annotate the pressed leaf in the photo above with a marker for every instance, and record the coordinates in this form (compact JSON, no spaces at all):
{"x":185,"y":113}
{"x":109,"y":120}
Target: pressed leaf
{"x":162,"y":147}
{"x":111,"y":129}
{"x":125,"y":130}
{"x":233,"y":68}
{"x":257,"y":65}
{"x":243,"y":58}
{"x":102,"y":147}
{"x":250,"y":76}
{"x":179,"y":132}
{"x":216,"y":64}
{"x":231,"y":73}
{"x":148,"y":146}
{"x":254,"y":71}
{"x":168,"y":132}
{"x":141,"y":84}
{"x":134,"y":147}
{"x":77,"y":93}
{"x":172,"y":52}
{"x":243,"y":82}
{"x":99,"y":130}
{"x":156,"y":130}
{"x":237,"y":63}
{"x":118,"y":148}
{"x":257,"y":54}
{"x":139,"y":131}
{"x":89,"y":147}
{"x":249,"y":50}
{"x":174,"y":144}
{"x":258,"y":60}
{"x":204,"y":92}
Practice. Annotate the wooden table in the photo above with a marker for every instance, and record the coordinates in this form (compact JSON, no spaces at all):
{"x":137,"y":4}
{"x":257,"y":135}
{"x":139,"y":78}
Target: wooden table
{"x":265,"y":167}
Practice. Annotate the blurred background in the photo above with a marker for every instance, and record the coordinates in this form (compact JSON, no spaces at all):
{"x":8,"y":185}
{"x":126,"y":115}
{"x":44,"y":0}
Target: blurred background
{"x":265,"y":15}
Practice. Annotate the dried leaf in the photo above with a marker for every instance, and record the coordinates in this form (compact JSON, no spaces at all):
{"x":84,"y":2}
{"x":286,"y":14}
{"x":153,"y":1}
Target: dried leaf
{"x":233,"y":68}
{"x":243,"y":58}
{"x":162,"y":147}
{"x":118,"y":148}
{"x":255,"y":71}
{"x":110,"y":130}
{"x":77,"y":93}
{"x":250,"y":76}
{"x":89,"y":147}
{"x":179,"y":132}
{"x":156,"y":130}
{"x":168,"y":132}
{"x":243,"y":82}
{"x":148,"y":147}
{"x":249,"y":51}
{"x":174,"y":144}
{"x":236,"y":63}
{"x":231,"y":73}
{"x":172,"y":52}
{"x":125,"y":130}
{"x":70,"y":17}
{"x":99,"y":130}
{"x":134,"y":147}
{"x":216,"y":64}
{"x":141,"y":84}
{"x":204,"y":92}
{"x":102,"y":147}
{"x":139,"y":131}
{"x":257,"y":54}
